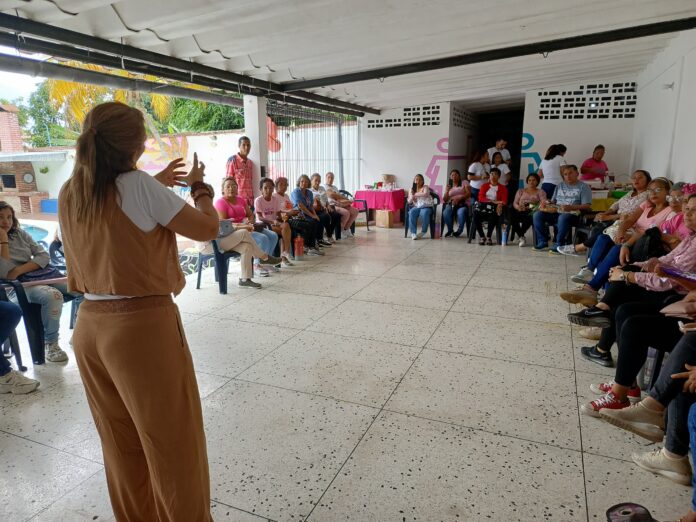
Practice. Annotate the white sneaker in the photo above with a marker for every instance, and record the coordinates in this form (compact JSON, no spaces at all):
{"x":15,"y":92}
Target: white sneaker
{"x":414,"y":236}
{"x":314,"y":252}
{"x":420,"y":235}
{"x":347,"y":233}
{"x":676,"y":470}
{"x":54,"y":353}
{"x":522,"y":242}
{"x":262,"y":271}
{"x":585,"y":275}
{"x":567,"y":250}
{"x":17,"y":384}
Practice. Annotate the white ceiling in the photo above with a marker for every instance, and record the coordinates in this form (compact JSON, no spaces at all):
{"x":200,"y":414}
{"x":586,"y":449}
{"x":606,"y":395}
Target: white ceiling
{"x":279,"y":40}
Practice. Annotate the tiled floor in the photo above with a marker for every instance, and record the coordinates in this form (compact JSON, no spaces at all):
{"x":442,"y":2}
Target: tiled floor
{"x":391,"y":380}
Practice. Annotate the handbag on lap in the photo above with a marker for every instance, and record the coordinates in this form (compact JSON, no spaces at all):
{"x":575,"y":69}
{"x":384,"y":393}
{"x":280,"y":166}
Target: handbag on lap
{"x":50,"y":272}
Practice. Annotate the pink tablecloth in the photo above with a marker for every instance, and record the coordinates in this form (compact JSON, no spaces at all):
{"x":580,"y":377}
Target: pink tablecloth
{"x":381,"y":199}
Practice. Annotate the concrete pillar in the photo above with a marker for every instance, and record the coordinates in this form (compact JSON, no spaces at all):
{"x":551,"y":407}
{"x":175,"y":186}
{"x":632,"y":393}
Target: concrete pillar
{"x":256,"y":130}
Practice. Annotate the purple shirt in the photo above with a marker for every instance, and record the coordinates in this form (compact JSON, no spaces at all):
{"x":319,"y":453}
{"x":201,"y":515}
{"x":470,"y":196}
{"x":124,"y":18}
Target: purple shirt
{"x":683,"y":257}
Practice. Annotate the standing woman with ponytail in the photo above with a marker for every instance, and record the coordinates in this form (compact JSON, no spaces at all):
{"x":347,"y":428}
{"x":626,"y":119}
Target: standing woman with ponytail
{"x":119,"y":226}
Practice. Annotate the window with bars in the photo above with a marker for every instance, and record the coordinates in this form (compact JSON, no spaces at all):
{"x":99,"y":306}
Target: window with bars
{"x":304,"y":141}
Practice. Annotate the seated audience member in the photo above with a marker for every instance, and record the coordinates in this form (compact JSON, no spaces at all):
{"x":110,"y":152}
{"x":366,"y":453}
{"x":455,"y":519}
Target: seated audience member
{"x":550,"y":169}
{"x":10,"y":380}
{"x":621,"y":236}
{"x":329,"y":218}
{"x":421,"y":206}
{"x":674,"y":391}
{"x":307,"y":229}
{"x":526,"y":200}
{"x":303,"y":201}
{"x":235,"y":209}
{"x":456,"y":202}
{"x":20,"y":254}
{"x":673,"y":230}
{"x":623,"y":207}
{"x":477,"y":174}
{"x":499,"y":164}
{"x":594,"y":168}
{"x":499,"y":147}
{"x":342,"y":205}
{"x":491,"y":203}
{"x":268,"y":207}
{"x":646,"y":287}
{"x":570,"y":199}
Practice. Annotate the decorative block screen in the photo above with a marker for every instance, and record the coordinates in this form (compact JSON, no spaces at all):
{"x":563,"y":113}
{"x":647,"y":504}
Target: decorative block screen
{"x":422,"y":116}
{"x":591,"y":101}
{"x":463,"y":119}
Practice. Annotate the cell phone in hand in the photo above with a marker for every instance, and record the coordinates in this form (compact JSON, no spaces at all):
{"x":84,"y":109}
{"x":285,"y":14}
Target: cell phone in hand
{"x":450,"y":183}
{"x":414,"y":187}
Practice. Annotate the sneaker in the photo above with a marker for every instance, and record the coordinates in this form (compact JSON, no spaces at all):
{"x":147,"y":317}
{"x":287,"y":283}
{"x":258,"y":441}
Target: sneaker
{"x":592,"y":316}
{"x":414,"y":237}
{"x":248,"y":283}
{"x":285,"y":258}
{"x":270,"y":260}
{"x":522,"y":242}
{"x":655,"y":461}
{"x":540,"y":248}
{"x":567,"y":250}
{"x":583,"y":296}
{"x":591,"y":353}
{"x":262,"y":271}
{"x":458,"y":233}
{"x":17,"y":384}
{"x":347,"y":233}
{"x":448,"y":234}
{"x":554,"y":251}
{"x":314,"y":252}
{"x":608,"y":401}
{"x":54,"y":353}
{"x":330,"y":240}
{"x":640,"y":420}
{"x":584,"y":276}
{"x":419,"y":235}
{"x":592,"y":333}
{"x":323,"y":243}
{"x":605,"y":387}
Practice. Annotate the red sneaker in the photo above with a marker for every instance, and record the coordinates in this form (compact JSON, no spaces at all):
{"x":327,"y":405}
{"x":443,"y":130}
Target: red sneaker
{"x":605,"y":401}
{"x":605,"y":387}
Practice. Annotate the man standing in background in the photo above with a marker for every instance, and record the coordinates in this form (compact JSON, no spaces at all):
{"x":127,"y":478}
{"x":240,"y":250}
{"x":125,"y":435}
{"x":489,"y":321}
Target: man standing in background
{"x":240,"y":168}
{"x":500,"y":145}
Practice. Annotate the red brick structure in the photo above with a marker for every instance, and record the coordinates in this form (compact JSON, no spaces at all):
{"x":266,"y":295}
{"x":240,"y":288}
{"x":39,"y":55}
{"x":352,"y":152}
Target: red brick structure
{"x":17,"y":178}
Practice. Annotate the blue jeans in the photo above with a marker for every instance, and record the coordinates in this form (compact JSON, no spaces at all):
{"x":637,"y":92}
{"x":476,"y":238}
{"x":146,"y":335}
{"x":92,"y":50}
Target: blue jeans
{"x":611,"y":259}
{"x":448,"y":217}
{"x":542,"y":220}
{"x":10,"y":314}
{"x":549,"y":188}
{"x":692,"y":436}
{"x":599,"y":251}
{"x":269,"y":241}
{"x":424,"y":213}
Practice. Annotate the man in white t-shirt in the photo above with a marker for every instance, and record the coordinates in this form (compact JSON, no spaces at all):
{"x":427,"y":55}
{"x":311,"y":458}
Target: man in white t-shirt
{"x":500,"y":145}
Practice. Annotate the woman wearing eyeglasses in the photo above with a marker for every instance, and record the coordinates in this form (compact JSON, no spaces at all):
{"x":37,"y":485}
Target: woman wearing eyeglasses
{"x":606,"y":252}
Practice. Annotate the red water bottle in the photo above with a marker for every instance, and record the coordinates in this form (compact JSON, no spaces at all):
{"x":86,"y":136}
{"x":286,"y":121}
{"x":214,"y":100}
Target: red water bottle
{"x":299,"y":247}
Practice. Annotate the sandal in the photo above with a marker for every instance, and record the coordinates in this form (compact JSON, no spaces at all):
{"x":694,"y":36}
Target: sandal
{"x":489,"y":241}
{"x":482,"y":241}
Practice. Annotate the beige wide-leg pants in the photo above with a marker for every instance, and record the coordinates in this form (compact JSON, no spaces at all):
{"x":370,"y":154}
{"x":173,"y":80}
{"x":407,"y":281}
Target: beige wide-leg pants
{"x":243,"y":242}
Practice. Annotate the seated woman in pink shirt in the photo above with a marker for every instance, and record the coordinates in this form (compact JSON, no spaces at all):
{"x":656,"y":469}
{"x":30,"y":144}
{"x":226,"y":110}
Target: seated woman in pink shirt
{"x":268,"y":207}
{"x":594,"y":168}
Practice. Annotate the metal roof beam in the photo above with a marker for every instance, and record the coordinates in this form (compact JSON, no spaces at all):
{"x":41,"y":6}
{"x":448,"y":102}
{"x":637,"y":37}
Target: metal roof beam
{"x":515,"y":51}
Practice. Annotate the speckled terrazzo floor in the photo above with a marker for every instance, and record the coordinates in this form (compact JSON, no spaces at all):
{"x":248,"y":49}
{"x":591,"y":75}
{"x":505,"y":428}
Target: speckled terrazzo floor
{"x":391,"y":380}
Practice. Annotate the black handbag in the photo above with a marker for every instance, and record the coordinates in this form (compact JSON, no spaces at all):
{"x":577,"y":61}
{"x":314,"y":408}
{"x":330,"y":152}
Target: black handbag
{"x":486,"y":208}
{"x":649,"y":245}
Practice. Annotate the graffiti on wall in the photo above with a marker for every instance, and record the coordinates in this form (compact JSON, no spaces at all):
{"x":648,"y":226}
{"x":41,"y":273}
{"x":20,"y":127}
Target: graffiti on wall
{"x":432,"y":172}
{"x":532,"y":157}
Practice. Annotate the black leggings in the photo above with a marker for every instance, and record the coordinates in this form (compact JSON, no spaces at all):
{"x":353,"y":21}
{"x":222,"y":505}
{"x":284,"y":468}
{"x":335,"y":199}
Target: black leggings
{"x":639,"y":327}
{"x":305,"y":228}
{"x":619,"y":293}
{"x":492,"y":222}
{"x":521,"y":222}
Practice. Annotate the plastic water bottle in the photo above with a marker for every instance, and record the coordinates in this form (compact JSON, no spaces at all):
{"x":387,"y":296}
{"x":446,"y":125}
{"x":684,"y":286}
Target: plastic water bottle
{"x":505,"y":235}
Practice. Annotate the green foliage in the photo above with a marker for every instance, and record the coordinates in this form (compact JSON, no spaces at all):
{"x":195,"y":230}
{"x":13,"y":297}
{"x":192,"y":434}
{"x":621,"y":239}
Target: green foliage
{"x":196,"y":116}
{"x":43,"y":122}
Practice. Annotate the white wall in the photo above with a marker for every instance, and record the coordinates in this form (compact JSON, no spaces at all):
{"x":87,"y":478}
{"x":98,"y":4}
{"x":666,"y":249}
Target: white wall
{"x":57,"y":174}
{"x":405,"y":151}
{"x":665,"y":128}
{"x":579,"y":135}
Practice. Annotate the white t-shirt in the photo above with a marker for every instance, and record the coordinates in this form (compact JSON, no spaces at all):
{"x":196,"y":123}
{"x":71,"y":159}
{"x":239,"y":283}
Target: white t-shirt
{"x":552,"y":170}
{"x":492,"y":193}
{"x":146,"y":202}
{"x":504,"y":173}
{"x":503,"y":152}
{"x":477,"y":169}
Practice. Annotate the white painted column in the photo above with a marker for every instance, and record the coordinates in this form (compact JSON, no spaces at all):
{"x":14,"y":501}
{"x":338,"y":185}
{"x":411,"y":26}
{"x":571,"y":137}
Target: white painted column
{"x":256,"y":130}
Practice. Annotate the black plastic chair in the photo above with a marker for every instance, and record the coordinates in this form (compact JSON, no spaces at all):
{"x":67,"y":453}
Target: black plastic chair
{"x":408,"y":206}
{"x":365,"y":210}
{"x":222,"y":265}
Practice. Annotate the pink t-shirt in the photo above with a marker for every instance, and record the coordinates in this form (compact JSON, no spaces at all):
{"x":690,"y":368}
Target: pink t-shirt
{"x":644,"y":222}
{"x":234,"y":212}
{"x":599,"y":169}
{"x":675,"y":226}
{"x":268,"y":209}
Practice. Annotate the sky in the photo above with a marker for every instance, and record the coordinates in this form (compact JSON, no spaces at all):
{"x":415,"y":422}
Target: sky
{"x":14,"y":86}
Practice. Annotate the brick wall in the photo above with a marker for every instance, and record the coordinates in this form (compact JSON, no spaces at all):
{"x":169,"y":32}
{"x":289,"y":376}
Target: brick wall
{"x":19,"y":169}
{"x":10,"y":133}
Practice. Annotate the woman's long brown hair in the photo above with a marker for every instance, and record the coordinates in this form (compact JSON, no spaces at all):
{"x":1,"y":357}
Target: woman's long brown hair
{"x":113,"y":136}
